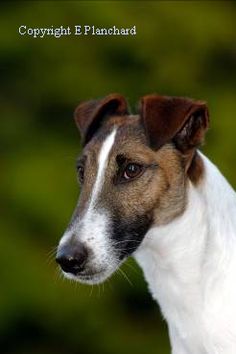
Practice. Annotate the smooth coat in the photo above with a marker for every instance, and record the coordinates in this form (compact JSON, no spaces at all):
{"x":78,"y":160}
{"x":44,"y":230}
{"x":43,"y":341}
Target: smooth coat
{"x":178,"y":219}
{"x":191,"y":271}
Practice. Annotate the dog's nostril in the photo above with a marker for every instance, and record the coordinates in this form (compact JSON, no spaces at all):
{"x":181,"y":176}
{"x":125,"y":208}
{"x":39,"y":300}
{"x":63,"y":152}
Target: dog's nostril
{"x":72,"y":258}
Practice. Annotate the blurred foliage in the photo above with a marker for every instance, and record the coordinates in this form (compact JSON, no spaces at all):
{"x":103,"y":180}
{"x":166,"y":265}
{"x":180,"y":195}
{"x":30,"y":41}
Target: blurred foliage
{"x":183,"y":48}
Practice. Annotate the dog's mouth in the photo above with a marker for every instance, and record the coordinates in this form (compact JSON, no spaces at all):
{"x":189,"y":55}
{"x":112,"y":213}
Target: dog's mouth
{"x":91,"y":277}
{"x":91,"y":274}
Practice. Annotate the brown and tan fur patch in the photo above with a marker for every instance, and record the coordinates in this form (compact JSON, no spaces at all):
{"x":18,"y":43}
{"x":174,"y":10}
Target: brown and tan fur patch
{"x":159,"y":192}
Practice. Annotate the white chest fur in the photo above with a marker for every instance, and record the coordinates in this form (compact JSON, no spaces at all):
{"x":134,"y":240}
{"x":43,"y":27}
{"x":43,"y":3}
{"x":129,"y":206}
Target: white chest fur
{"x":190,"y":266}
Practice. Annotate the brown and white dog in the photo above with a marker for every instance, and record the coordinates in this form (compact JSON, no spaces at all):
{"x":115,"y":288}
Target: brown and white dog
{"x":147,"y":191}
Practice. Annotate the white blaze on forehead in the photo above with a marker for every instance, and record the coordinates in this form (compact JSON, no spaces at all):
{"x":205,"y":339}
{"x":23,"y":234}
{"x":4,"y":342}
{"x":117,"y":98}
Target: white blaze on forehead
{"x":102,"y":164}
{"x":94,"y":224}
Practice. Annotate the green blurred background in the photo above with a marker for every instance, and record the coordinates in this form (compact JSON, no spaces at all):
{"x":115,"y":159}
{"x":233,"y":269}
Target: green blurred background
{"x":182,"y":48}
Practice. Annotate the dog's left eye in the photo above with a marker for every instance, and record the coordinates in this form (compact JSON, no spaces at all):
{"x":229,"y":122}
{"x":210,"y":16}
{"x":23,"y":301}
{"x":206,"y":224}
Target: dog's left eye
{"x":80,"y":170}
{"x":132,"y":170}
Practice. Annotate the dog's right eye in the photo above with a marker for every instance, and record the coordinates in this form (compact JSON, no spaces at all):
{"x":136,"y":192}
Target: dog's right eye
{"x":132,"y":171}
{"x":80,"y":170}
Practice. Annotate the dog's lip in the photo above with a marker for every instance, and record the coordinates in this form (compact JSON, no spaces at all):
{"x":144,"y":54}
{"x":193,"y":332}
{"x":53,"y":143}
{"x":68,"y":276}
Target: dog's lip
{"x":91,"y":278}
{"x":90,"y":275}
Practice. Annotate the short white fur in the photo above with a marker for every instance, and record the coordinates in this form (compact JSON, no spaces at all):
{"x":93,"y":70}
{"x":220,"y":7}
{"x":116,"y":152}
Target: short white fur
{"x":190,"y":266}
{"x":102,"y":164}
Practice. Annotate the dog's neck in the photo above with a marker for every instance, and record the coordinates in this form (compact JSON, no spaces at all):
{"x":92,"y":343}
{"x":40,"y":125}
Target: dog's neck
{"x":185,"y":262}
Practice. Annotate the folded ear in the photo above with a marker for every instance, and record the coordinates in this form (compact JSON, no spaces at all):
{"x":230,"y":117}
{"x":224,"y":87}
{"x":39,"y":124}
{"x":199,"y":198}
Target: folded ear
{"x":181,"y":120}
{"x":90,"y":115}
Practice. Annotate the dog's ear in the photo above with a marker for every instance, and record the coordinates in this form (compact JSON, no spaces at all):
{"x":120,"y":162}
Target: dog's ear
{"x":90,"y":115}
{"x":181,"y":120}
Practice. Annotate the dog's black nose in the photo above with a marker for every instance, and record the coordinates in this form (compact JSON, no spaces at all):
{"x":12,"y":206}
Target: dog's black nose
{"x":72,"y":258}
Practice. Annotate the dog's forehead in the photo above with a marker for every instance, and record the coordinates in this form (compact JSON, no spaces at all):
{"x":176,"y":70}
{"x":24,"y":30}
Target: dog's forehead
{"x":129,"y":130}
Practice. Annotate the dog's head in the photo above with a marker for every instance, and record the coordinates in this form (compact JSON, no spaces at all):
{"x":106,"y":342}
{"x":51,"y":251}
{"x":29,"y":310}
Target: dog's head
{"x":134,"y":173}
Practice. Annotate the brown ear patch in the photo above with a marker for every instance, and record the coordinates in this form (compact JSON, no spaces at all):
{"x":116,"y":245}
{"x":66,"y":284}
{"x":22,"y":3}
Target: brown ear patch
{"x":181,"y":121}
{"x":90,"y":115}
{"x":173,"y":118}
{"x":191,"y":135}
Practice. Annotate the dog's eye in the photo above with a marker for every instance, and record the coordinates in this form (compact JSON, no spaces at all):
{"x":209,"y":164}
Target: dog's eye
{"x":132,"y":170}
{"x":80,"y":170}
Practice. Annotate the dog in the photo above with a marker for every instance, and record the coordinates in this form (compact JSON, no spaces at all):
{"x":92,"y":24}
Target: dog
{"x":147,"y":191}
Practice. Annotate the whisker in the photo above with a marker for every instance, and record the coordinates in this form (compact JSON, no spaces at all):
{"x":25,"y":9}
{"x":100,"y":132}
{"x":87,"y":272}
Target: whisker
{"x":76,"y":285}
{"x":52,"y":251}
{"x":122,"y":241}
{"x":99,"y":291}
{"x":50,"y":255}
{"x":109,"y":283}
{"x":124,"y":250}
{"x":91,"y":291}
{"x":125,"y":276}
{"x":131,"y":267}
